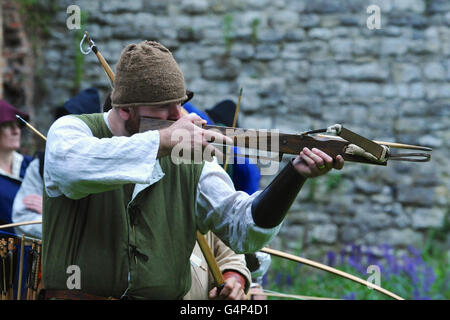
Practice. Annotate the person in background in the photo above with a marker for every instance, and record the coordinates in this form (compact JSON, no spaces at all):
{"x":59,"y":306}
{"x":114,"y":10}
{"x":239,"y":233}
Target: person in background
{"x":232,"y":266}
{"x":28,"y":202}
{"x":12,"y":164}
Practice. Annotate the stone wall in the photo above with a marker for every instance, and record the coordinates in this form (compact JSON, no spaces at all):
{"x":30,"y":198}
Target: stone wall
{"x":17,"y":71}
{"x":302,"y":65}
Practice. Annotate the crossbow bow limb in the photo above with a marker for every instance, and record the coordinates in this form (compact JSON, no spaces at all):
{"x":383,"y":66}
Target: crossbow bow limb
{"x":329,"y":269}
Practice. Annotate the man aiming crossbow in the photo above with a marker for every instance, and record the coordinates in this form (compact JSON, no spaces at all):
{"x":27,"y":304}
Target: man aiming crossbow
{"x":116,"y":205}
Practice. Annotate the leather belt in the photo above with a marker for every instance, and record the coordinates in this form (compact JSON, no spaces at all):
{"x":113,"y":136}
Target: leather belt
{"x":47,"y":294}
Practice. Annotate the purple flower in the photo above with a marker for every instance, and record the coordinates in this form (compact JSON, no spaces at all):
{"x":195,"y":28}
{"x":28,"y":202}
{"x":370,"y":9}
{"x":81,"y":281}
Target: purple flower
{"x":264,"y":280}
{"x":279,"y":278}
{"x":420,"y":277}
{"x":350,"y":296}
{"x":371,"y":258}
{"x":342,"y":255}
{"x":331,"y":258}
{"x":289,"y":280}
{"x":355,"y":259}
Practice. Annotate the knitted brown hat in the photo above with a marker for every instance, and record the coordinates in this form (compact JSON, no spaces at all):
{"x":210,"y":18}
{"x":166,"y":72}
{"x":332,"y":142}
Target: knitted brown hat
{"x":147,"y":74}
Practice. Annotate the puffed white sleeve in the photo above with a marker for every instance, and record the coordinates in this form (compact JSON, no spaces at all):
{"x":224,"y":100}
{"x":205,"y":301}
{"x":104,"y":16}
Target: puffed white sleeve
{"x":78,"y":164}
{"x":227,"y":212}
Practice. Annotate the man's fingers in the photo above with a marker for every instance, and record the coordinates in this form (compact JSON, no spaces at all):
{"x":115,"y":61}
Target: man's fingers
{"x":32,"y":197}
{"x":194,"y":118}
{"x":226,"y":290}
{"x":339,"y":163}
{"x":310,"y":163}
{"x":213,"y":293}
{"x":217,"y":137}
{"x":236,"y":292}
{"x":328,"y":161}
{"x":318,"y":161}
{"x":31,"y":201}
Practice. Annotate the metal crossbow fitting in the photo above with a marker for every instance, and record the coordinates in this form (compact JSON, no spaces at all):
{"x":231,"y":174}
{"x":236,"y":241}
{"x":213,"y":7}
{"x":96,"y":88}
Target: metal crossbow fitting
{"x":378,"y":151}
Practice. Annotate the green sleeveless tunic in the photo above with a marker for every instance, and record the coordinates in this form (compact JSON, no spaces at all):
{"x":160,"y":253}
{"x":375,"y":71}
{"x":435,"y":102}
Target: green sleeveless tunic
{"x":140,"y":246}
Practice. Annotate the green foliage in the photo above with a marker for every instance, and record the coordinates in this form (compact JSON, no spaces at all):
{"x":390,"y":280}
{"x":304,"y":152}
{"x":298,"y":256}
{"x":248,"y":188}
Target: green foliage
{"x":38,"y":15}
{"x":79,"y":56}
{"x":228,"y":32}
{"x":333,"y":180}
{"x":442,"y":233}
{"x":254,"y":25}
{"x":312,"y":189}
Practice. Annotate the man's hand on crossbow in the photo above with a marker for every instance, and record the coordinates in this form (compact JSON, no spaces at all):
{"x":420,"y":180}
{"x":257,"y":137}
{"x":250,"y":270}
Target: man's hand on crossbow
{"x":314,"y":163}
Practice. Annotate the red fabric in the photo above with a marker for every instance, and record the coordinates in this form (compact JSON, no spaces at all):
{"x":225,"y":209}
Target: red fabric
{"x":233,"y":274}
{"x":8,"y":112}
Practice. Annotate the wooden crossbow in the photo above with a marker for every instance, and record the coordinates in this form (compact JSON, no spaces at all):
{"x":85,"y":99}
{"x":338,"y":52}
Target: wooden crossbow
{"x":350,"y":145}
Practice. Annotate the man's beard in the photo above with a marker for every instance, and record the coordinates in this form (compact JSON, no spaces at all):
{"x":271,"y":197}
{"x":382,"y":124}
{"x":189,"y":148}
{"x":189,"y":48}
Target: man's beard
{"x":132,"y":124}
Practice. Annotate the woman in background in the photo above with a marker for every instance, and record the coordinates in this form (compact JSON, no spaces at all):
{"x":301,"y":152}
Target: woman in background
{"x":12,"y":164}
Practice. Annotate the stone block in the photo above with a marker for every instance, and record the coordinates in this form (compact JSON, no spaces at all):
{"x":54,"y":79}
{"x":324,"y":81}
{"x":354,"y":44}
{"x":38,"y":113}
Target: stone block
{"x":366,"y":187}
{"x":295,"y":35}
{"x":326,"y":6}
{"x":293,"y":234}
{"x":423,"y":218}
{"x":308,"y":20}
{"x":438,"y":6}
{"x":323,"y":233}
{"x":349,"y":234}
{"x":284,"y":19}
{"x":119,"y":6}
{"x":417,"y":196}
{"x":395,"y":237}
{"x":406,"y":72}
{"x":267,"y":51}
{"x":320,"y":33}
{"x":393,"y":46}
{"x":369,"y":220}
{"x":364,"y":72}
{"x":409,"y":5}
{"x":298,"y":68}
{"x":194,"y":6}
{"x":365,"y":89}
{"x":434,"y":71}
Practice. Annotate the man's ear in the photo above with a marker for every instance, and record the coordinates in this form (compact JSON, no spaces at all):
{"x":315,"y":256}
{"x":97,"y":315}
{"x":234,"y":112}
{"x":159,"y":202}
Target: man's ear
{"x":124,"y":113}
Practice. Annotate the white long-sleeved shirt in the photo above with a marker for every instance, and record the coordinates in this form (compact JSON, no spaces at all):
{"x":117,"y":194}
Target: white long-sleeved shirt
{"x":32,"y":184}
{"x":78,"y":164}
